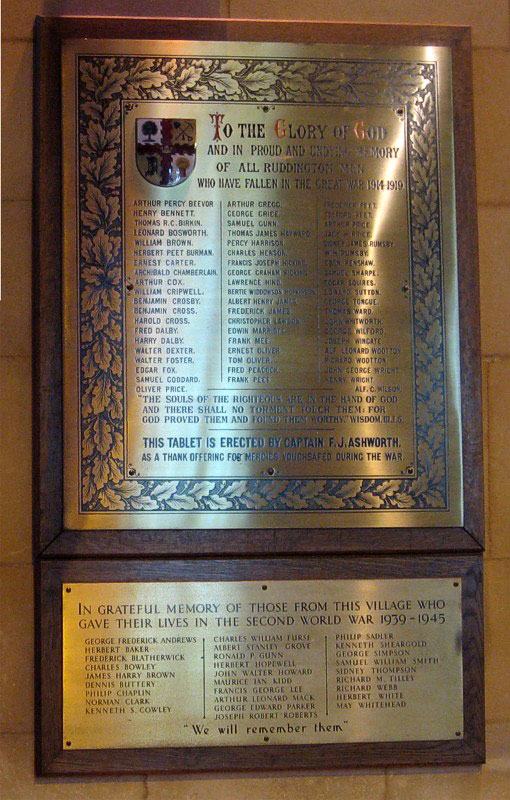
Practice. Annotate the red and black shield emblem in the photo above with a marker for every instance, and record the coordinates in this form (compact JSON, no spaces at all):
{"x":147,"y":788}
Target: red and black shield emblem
{"x":165,"y":150}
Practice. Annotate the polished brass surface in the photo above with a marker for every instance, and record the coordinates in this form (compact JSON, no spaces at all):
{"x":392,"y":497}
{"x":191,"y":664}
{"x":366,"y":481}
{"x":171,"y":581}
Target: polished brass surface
{"x":252,"y":313}
{"x":249,"y":663}
{"x":264,"y":318}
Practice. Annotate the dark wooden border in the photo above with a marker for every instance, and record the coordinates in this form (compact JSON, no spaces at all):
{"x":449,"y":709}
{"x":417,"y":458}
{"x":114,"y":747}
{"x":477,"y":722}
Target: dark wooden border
{"x":52,"y":760}
{"x":49,"y":537}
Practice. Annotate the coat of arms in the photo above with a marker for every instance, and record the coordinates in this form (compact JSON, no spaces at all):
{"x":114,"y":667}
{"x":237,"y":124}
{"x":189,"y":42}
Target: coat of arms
{"x":165,"y":150}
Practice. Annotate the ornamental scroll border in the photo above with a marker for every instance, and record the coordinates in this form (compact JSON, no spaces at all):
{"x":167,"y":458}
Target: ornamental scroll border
{"x":103,"y":82}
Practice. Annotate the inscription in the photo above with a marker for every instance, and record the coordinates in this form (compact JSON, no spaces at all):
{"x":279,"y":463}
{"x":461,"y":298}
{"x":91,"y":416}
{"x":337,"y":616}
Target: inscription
{"x":308,"y":330}
{"x":349,"y":662}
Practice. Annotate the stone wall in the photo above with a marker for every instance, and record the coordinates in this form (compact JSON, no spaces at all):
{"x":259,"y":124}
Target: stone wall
{"x":491,"y":37}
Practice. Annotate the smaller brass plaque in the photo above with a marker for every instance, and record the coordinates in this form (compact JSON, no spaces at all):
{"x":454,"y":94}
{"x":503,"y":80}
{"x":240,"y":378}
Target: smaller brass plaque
{"x":252,"y":663}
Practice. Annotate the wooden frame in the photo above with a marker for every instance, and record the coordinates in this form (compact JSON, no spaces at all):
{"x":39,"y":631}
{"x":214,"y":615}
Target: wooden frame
{"x":65,"y":555}
{"x":53,"y":760}
{"x":50,"y":537}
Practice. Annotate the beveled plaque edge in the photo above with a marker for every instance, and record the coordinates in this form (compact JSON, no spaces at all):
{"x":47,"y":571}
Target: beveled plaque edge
{"x":52,"y":760}
{"x":49,"y":537}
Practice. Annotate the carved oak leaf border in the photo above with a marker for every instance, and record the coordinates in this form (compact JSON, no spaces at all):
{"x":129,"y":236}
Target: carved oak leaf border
{"x":103,"y":82}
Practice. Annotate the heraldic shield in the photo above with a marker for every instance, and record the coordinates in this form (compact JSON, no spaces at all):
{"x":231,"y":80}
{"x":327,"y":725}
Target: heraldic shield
{"x":165,"y":150}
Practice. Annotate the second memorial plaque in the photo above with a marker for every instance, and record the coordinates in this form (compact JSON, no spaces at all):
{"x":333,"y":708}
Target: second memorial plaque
{"x":265,"y":281}
{"x":283,"y":662}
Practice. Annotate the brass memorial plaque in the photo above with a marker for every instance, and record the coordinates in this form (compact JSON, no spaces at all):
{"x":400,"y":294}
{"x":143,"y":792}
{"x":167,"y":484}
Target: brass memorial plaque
{"x":251,"y":663}
{"x":260,"y":286}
